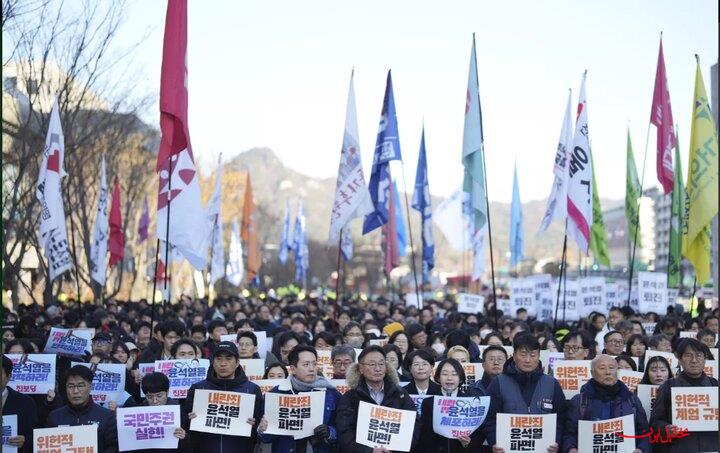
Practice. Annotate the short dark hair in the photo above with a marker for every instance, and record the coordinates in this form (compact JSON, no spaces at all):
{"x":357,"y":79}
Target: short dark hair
{"x":7,"y":366}
{"x":455,"y":364}
{"x":693,"y":344}
{"x":294,"y":355}
{"x":457,"y":337}
{"x":180,"y":342}
{"x":633,"y":338}
{"x":140,"y":325}
{"x":80,"y":371}
{"x":413,"y":329}
{"x":328,"y":337}
{"x":585,"y":339}
{"x":155,"y":382}
{"x":525,"y":340}
{"x":612,"y":332}
{"x":198,"y":328}
{"x":247,"y":334}
{"x":494,"y":347}
{"x":273,"y":365}
{"x":172,"y":326}
{"x":349,"y":326}
{"x":627,"y":359}
{"x":369,"y":349}
{"x":214,"y":325}
{"x":423,"y":354}
{"x":705,"y":333}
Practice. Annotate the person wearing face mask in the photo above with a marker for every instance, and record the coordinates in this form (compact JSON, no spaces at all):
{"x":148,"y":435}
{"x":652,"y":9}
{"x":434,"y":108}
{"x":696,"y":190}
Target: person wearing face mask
{"x":352,"y":335}
{"x":420,"y":363}
{"x":604,"y":397}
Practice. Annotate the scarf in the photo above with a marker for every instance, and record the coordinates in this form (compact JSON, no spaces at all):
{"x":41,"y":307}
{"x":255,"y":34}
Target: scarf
{"x":606,"y":393}
{"x":319,"y":383}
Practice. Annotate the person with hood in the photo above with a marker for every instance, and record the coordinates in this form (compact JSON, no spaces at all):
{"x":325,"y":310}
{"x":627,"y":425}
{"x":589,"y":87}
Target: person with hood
{"x":372,"y":381}
{"x":523,"y":388}
{"x":225,"y":375}
{"x":304,"y":378}
{"x":604,"y":397}
{"x":81,"y":410}
{"x":15,"y":403}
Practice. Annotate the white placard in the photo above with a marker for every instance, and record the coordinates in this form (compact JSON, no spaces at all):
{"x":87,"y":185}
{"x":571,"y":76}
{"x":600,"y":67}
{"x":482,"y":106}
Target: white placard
{"x":66,"y":439}
{"x":70,"y":342}
{"x":630,"y":378}
{"x":672,"y":296}
{"x":340,"y":385}
{"x":473,"y":373}
{"x":652,"y":292}
{"x":222,"y":412}
{"x":9,"y":429}
{"x":267,"y":384}
{"x":324,"y":363}
{"x":519,"y":433}
{"x":453,"y":417}
{"x":592,"y":296}
{"x":412,"y":300}
{"x":612,"y":296}
{"x":522,"y":295}
{"x":254,"y":368}
{"x":147,"y":427}
{"x":548,"y":360}
{"x":594,"y":435}
{"x":470,"y":303}
{"x":567,"y":305}
{"x":182,"y":374}
{"x":32,"y":374}
{"x":383,"y":426}
{"x":572,"y":374}
{"x":695,"y":408}
{"x":543,"y":296}
{"x":108,"y":382}
{"x":669,"y":356}
{"x":295,"y":415}
{"x":647,"y":393}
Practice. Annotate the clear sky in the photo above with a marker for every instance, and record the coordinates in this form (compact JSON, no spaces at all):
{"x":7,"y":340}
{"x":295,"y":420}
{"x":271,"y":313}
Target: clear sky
{"x":276,"y":74}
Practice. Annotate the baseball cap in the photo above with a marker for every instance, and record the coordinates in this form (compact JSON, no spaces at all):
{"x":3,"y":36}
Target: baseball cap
{"x":228,"y":347}
{"x":103,"y":336}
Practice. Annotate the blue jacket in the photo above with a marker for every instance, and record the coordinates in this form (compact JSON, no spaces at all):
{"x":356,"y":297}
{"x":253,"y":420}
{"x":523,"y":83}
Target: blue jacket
{"x":596,"y":403}
{"x":286,"y":444}
{"x":89,"y":414}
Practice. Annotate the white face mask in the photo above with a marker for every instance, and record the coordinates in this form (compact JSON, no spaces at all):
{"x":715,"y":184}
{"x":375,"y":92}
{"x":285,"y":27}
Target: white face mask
{"x":356,"y":342}
{"x":439,"y":348}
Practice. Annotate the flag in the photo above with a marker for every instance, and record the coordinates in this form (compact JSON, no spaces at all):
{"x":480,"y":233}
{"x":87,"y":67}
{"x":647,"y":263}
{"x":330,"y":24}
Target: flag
{"x":346,"y":244}
{"x":53,"y":232}
{"x":284,"y":246}
{"x":301,"y":245}
{"x":214,"y":220}
{"x":579,"y":200}
{"x":557,"y":202}
{"x":472,"y":151}
{"x":517,"y":238}
{"x":144,"y":222}
{"x":661,"y":117}
{"x":598,"y":238}
{"x":389,"y":238}
{"x":450,"y":218}
{"x":632,"y":195}
{"x":116,"y":241}
{"x":234,"y":271}
{"x":99,"y":245}
{"x":399,"y":222}
{"x":477,"y":238}
{"x":677,"y":214}
{"x":702,"y":183}
{"x":175,"y":165}
{"x":249,"y":233}
{"x":387,"y":148}
{"x":352,"y":198}
{"x":423,"y":204}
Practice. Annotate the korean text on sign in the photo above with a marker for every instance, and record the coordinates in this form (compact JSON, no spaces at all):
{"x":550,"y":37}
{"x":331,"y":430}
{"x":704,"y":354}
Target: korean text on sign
{"x":222,"y":412}
{"x":607,"y":435}
{"x":383,"y":426}
{"x":525,"y":433}
{"x":182,"y":374}
{"x":572,"y":374}
{"x":70,"y":342}
{"x":108,"y":382}
{"x":294,"y":415}
{"x":695,"y":408}
{"x":33,"y":374}
{"x":147,"y":427}
{"x":453,"y":417}
{"x":66,"y":439}
{"x":9,"y":429}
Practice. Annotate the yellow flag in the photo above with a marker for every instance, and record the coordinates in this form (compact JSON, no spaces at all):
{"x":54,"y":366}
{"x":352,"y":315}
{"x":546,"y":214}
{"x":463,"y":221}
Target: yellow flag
{"x":702,"y":183}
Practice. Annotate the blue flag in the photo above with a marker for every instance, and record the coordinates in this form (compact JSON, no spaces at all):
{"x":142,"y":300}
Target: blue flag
{"x":421,"y":202}
{"x":399,"y":222}
{"x":301,"y":245}
{"x":284,"y":245}
{"x":346,"y":244}
{"x":516,"y":227}
{"x":387,"y":148}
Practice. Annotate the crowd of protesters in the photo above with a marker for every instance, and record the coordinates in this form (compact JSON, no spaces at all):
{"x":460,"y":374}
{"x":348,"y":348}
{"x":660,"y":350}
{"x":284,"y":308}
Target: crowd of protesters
{"x":133,"y":333}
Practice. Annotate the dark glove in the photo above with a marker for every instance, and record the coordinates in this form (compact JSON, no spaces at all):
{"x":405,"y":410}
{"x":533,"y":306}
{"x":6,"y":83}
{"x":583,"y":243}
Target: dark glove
{"x":322,"y":433}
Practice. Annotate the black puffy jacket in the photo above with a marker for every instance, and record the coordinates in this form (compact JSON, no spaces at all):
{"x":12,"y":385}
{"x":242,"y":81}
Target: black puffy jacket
{"x":89,"y":414}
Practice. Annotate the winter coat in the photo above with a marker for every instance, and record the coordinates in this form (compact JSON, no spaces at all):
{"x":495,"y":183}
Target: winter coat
{"x":433,"y":388}
{"x":347,"y":413}
{"x":595,"y":403}
{"x":27,"y":416}
{"x":89,"y":414}
{"x":430,"y":441}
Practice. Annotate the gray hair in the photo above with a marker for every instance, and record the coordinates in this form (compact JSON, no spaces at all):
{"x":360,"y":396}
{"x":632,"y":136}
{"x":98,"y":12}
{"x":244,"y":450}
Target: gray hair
{"x":342,"y":349}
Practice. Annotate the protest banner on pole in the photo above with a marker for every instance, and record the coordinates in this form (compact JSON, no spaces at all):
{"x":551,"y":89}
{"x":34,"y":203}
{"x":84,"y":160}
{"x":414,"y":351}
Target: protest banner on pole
{"x":592,"y":296}
{"x":647,"y":393}
{"x":108,"y":382}
{"x":32,"y":374}
{"x":470,"y":303}
{"x":517,"y":433}
{"x":522,"y":295}
{"x":652,"y":292}
{"x":9,"y":429}
{"x":324,"y":363}
{"x":607,"y":435}
{"x":65,"y":439}
{"x":267,"y":384}
{"x":695,"y":408}
{"x":253,"y":368}
{"x":147,"y":427}
{"x":383,"y":426}
{"x":222,"y":412}
{"x":630,"y":378}
{"x":340,"y":385}
{"x":572,"y":374}
{"x":70,"y":342}
{"x":182,"y":374}
{"x":453,"y":417}
{"x":294,"y":415}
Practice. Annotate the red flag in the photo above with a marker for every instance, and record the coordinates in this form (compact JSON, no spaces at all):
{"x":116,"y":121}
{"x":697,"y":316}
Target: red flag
{"x":249,"y":234}
{"x":390,"y":242}
{"x":661,"y":117}
{"x":116,"y":241}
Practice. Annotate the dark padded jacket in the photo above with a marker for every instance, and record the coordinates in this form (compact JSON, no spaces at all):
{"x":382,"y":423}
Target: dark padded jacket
{"x":90,"y":414}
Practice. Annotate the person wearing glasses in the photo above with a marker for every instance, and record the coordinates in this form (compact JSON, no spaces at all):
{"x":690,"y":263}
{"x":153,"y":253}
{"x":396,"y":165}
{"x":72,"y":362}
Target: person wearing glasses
{"x":372,"y":381}
{"x":493,"y":361}
{"x":420,"y":362}
{"x":81,"y":410}
{"x":342,"y":357}
{"x":522,"y":388}
{"x":156,"y":386}
{"x":692,"y":355}
{"x":614,"y":343}
{"x":577,"y":345}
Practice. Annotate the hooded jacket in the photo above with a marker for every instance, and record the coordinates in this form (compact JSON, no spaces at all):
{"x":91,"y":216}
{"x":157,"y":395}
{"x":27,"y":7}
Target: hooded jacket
{"x":347,"y":413}
{"x":89,"y":414}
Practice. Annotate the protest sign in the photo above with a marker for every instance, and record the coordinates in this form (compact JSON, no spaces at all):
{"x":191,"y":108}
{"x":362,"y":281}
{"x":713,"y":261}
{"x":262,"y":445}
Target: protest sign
{"x":567,"y":305}
{"x":294,"y":415}
{"x":253,"y":368}
{"x":324,"y":363}
{"x":147,"y":427}
{"x":543,"y":296}
{"x":592,"y":296}
{"x":473,"y":373}
{"x":470,"y":303}
{"x":32,"y":374}
{"x":548,"y":360}
{"x":340,"y":385}
{"x":9,"y":429}
{"x":267,"y":384}
{"x":182,"y":374}
{"x":612,"y":296}
{"x":384,"y":426}
{"x":378,"y":341}
{"x":647,"y":393}
{"x":222,"y":412}
{"x":572,"y":374}
{"x":672,"y":296}
{"x":630,"y":378}
{"x":695,"y":408}
{"x":652,"y":292}
{"x":70,"y":342}
{"x":710,"y":368}
{"x":669,"y":356}
{"x":418,"y":400}
{"x":65,"y":439}
{"x":412,"y":300}
{"x":522,"y":433}
{"x":262,"y":344}
{"x":453,"y":417}
{"x":505,"y":305}
{"x":145,"y":368}
{"x":522,"y":295}
{"x":607,"y":435}
{"x":108,"y":382}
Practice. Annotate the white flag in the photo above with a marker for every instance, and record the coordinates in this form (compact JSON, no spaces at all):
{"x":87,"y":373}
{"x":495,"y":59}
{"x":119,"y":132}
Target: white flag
{"x":98,"y":247}
{"x":235,"y":271}
{"x":352,"y":198}
{"x":448,"y":216}
{"x":53,"y":232}
{"x":579,"y":198}
{"x":557,"y":202}
{"x":217,"y":250}
{"x":479,"y":240}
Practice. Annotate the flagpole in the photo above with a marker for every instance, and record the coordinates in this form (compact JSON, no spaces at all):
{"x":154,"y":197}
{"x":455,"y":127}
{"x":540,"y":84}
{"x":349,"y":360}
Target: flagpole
{"x":337,"y":280}
{"x":637,"y":219}
{"x":154,"y":277}
{"x":167,"y":233}
{"x":562,"y":271}
{"x":77,"y":275}
{"x":409,"y":223}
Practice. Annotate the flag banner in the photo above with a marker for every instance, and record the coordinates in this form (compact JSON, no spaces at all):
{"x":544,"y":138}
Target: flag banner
{"x":267,"y":384}
{"x":556,"y":208}
{"x":543,"y":296}
{"x":53,"y":232}
{"x":324,"y":363}
{"x":470,"y":303}
{"x":222,"y":412}
{"x":253,"y":368}
{"x":262,"y":346}
{"x":116,"y":240}
{"x":522,"y":295}
{"x":302,"y":260}
{"x":647,"y":393}
{"x":346,"y":244}
{"x":99,"y":245}
{"x":478,"y":241}
{"x":630,"y":378}
{"x":108,"y":382}
{"x":182,"y":374}
{"x":661,"y":116}
{"x":402,"y":239}
{"x":517,"y":237}
{"x":677,"y":215}
{"x":387,"y":148}
{"x":294,"y":415}
{"x":652,"y":292}
{"x":340,"y":385}
{"x":579,"y":202}
{"x":572,"y":374}
{"x":9,"y":429}
{"x":380,"y":426}
{"x":607,"y":435}
{"x":32,"y":374}
{"x":632,"y":197}
{"x":449,"y":218}
{"x":598,"y":237}
{"x":592,"y":296}
{"x":568,"y":303}
{"x":66,"y":439}
{"x":695,"y":408}
{"x":423,"y":204}
{"x":522,"y":433}
{"x":234,"y":270}
{"x":460,"y":416}
{"x":213,"y":215}
{"x":249,"y":233}
{"x":284,"y":247}
{"x":390,"y":238}
{"x":70,"y":342}
{"x":418,"y":400}
{"x":147,"y":427}
{"x":144,"y":222}
{"x":352,"y":197}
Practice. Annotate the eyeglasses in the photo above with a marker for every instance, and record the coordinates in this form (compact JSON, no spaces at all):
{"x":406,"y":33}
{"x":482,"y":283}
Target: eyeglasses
{"x":249,"y":344}
{"x":420,"y":365}
{"x":495,"y":359}
{"x":615,"y":342}
{"x":74,"y":387}
{"x":344,"y":364}
{"x":375,"y":365}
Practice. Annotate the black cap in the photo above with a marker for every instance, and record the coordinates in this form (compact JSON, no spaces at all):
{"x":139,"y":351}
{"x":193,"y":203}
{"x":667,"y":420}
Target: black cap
{"x":103,"y":336}
{"x":228,"y":347}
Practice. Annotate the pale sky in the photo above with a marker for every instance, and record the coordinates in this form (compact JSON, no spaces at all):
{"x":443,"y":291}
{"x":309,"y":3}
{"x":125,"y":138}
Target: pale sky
{"x":276,"y":74}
